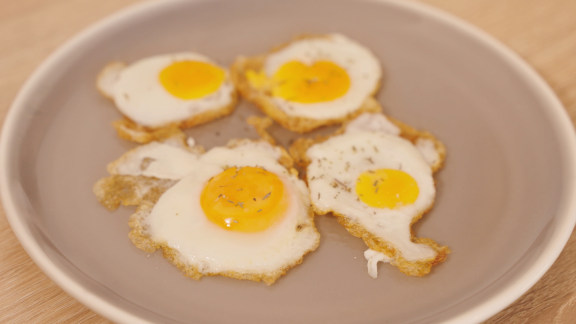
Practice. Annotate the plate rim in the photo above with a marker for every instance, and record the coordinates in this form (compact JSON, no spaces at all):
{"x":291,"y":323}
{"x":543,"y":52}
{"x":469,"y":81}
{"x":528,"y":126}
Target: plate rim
{"x":558,"y":117}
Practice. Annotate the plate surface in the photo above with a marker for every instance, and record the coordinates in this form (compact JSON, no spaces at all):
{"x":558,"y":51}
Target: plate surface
{"x":503,"y":203}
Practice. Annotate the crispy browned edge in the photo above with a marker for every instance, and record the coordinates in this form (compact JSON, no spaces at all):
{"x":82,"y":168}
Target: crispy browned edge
{"x":131,"y":131}
{"x":413,"y":268}
{"x":121,"y":189}
{"x":263,"y":100}
{"x":114,"y":190}
{"x":128,"y":190}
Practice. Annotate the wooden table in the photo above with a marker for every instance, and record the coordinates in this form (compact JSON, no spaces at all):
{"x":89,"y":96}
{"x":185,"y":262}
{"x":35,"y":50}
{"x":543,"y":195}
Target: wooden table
{"x":541,"y":31}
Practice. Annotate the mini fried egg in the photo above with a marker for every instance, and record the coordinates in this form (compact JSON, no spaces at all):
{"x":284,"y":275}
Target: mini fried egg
{"x":377,"y":184}
{"x":234,"y":211}
{"x":184,"y":89}
{"x":311,"y":82}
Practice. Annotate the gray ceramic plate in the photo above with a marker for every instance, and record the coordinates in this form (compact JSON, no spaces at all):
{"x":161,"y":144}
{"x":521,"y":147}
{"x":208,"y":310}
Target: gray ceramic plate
{"x":503,"y":201}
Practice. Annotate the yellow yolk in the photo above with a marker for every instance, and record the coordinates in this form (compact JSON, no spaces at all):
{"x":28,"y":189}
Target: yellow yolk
{"x":191,"y":79}
{"x":319,"y":82}
{"x":387,"y":188}
{"x":244,"y":199}
{"x":258,"y":80}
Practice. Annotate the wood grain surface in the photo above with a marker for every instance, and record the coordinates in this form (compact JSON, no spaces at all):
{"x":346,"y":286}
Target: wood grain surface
{"x":543,"y":32}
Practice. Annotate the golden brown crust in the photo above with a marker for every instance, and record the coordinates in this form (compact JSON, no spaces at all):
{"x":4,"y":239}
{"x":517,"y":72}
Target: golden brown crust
{"x":411,"y":268}
{"x":131,"y":131}
{"x":261,"y":125}
{"x":300,"y":146}
{"x":263,"y":99}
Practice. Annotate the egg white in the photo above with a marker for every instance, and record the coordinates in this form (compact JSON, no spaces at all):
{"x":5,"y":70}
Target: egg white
{"x":155,"y":159}
{"x":377,"y":122}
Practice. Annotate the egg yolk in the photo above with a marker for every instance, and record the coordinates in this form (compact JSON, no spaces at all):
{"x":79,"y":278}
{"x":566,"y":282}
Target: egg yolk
{"x":319,"y":82}
{"x":191,"y":79}
{"x":387,"y":188}
{"x":244,"y":199}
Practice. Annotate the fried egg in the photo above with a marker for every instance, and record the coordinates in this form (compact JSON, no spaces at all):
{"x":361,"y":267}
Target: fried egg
{"x":312,"y":81}
{"x":377,"y":184}
{"x":234,"y":211}
{"x":185,"y":89}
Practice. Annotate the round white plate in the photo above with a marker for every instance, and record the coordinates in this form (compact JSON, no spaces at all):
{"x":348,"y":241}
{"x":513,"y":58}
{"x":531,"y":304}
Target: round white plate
{"x":505,"y":197}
